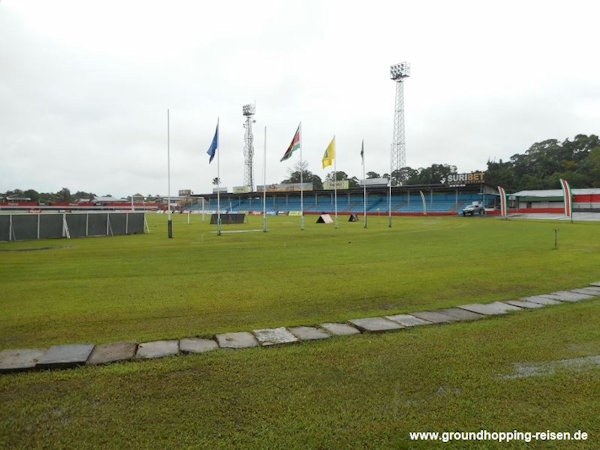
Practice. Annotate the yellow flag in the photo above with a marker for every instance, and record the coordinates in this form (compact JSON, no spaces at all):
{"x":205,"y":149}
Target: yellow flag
{"x":329,"y":154}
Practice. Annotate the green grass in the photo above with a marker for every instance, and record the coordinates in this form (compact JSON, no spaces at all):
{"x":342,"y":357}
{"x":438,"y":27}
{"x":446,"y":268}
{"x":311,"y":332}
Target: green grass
{"x":365,"y":391}
{"x":149,"y":287}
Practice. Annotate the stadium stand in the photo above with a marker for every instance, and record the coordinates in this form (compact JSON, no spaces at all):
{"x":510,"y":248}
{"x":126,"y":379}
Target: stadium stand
{"x":441,"y":203}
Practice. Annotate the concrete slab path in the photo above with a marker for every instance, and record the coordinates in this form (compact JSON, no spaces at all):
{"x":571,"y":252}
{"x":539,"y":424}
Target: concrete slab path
{"x":62,"y":356}
{"x":274,"y":336}
{"x":108,"y":353}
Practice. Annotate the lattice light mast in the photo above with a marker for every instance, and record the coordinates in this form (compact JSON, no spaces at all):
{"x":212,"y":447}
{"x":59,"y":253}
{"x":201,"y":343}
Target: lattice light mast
{"x":398,"y":72}
{"x":249,"y":111}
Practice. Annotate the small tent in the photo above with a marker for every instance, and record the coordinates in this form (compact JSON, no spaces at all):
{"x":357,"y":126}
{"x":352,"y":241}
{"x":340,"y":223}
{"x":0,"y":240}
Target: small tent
{"x":324,"y":218}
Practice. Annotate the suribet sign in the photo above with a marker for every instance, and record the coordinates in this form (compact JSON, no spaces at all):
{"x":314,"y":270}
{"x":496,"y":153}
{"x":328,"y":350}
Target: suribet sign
{"x":460,"y":179}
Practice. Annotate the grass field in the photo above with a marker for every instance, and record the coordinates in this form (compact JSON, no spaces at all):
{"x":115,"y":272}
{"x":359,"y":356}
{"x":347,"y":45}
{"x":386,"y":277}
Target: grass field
{"x":361,"y":391}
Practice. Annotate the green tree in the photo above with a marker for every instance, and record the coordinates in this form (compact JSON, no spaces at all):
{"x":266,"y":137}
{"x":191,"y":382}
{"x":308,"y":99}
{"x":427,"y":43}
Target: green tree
{"x":405,"y":175}
{"x":591,"y":167}
{"x":435,"y":174}
{"x":307,"y":176}
{"x":339,"y":176}
{"x":32,"y":194}
{"x":64,"y":195}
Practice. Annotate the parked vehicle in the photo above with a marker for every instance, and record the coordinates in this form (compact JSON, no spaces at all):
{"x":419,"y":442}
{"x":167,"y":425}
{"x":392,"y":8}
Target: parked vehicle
{"x":474,"y":208}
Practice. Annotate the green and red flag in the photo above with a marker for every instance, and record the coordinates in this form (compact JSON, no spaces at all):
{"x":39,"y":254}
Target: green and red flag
{"x":294,"y":145}
{"x":568,"y":197}
{"x":502,"y":201}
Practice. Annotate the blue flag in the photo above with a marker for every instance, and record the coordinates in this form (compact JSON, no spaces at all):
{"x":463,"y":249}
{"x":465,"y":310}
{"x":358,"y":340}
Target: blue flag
{"x":214,"y":145}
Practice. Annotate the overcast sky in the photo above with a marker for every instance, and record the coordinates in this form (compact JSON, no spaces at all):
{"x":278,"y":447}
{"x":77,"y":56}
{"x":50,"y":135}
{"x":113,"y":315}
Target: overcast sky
{"x":85,"y":86}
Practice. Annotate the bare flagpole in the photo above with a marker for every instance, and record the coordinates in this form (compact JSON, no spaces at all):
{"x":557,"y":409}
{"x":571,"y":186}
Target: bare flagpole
{"x":170,"y":222}
{"x":364,"y":185}
{"x":335,"y":182}
{"x":265,"y":184}
{"x":390,"y":196}
{"x":218,"y":150}
{"x":301,"y":184}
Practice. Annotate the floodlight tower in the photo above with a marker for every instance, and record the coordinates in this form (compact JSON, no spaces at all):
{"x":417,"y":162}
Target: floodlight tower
{"x":249,"y":111}
{"x":398,"y":72}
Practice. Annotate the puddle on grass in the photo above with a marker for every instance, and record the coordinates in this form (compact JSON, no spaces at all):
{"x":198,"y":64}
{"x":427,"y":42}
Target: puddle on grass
{"x":524,"y":370}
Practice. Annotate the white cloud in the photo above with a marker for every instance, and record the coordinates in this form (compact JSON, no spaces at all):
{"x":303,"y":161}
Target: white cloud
{"x":85,"y":85}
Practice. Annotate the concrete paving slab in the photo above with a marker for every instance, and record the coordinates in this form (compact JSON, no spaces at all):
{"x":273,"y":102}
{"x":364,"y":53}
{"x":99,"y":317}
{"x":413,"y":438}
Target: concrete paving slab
{"x":274,"y":336}
{"x":490,"y":309}
{"x":242,"y":339}
{"x":157,"y":349}
{"x":434,"y":316}
{"x":525,"y":304}
{"x":339,"y":329}
{"x":375,"y":324}
{"x":309,"y":333}
{"x":407,"y":320}
{"x":63,"y":356}
{"x":461,"y":314}
{"x":567,"y":296}
{"x":542,"y":300}
{"x":20,"y":359}
{"x":116,"y":351}
{"x":197,"y":345}
{"x":590,"y":290}
{"x":595,"y":283}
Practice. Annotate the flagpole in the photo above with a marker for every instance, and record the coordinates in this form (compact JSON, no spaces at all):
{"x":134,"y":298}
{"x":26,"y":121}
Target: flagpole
{"x":218,"y":150}
{"x":301,"y":184}
{"x":169,"y":222}
{"x":390,"y":198}
{"x":265,"y":184}
{"x":364,"y":185}
{"x":335,"y":182}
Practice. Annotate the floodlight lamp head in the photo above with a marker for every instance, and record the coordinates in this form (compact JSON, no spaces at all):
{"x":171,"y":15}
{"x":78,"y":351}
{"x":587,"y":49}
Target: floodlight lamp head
{"x":249,"y":110}
{"x":400,"y":71}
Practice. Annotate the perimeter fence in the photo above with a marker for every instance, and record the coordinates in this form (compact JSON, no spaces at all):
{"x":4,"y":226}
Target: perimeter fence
{"x":24,"y":227}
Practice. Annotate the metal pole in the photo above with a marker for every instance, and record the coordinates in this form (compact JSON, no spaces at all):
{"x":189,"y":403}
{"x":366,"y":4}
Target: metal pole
{"x":301,"y":184}
{"x":335,"y":183}
{"x":390,"y":192}
{"x":364,"y":186}
{"x":265,"y":184}
{"x":218,"y":186}
{"x":170,"y":219}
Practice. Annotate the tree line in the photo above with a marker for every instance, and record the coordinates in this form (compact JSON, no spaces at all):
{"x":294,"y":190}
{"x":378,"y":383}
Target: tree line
{"x":64,"y":195}
{"x":544,"y":163}
{"x":540,"y":167}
